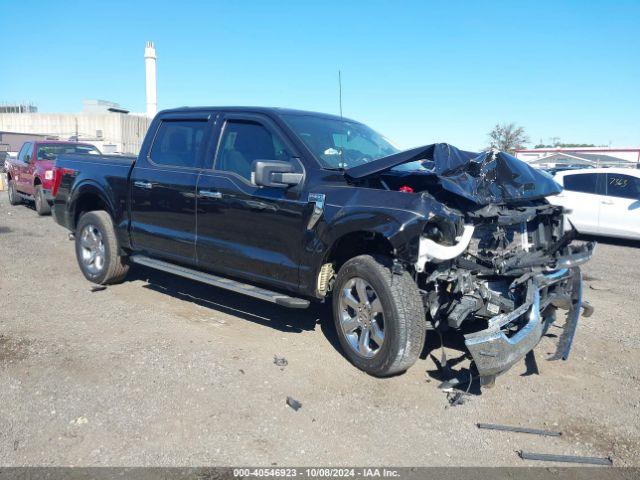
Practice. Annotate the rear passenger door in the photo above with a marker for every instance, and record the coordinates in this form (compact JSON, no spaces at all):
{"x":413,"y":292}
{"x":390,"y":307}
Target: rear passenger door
{"x":620,"y":208}
{"x":582,"y":195}
{"x":163,"y":189}
{"x":245,"y":230}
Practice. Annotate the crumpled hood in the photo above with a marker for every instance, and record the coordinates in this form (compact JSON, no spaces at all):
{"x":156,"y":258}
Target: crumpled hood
{"x":483,"y":178}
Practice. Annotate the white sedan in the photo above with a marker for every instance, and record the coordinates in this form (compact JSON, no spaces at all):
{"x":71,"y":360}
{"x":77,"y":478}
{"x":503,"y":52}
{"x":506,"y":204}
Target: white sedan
{"x":603,"y":201}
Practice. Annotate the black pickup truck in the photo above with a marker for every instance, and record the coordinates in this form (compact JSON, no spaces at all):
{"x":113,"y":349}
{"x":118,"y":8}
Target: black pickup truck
{"x":293,"y":207}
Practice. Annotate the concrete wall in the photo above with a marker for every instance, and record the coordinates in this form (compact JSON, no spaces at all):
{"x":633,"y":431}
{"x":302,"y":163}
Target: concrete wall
{"x":124,"y":132}
{"x":15,"y":140}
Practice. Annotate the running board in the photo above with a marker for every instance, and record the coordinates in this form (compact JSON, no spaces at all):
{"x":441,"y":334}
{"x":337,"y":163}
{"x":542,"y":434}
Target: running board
{"x":221,"y":282}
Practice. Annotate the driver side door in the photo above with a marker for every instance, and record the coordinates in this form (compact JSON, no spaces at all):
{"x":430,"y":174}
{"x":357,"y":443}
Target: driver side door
{"x":24,"y":167}
{"x":244,"y":230}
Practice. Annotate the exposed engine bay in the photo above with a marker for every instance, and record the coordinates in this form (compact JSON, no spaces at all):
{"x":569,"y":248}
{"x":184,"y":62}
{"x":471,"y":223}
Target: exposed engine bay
{"x":500,"y":264}
{"x":519,"y":266}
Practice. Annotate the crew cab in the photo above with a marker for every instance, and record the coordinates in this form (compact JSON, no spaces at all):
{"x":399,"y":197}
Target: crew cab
{"x":293,"y":207}
{"x":30,"y":174}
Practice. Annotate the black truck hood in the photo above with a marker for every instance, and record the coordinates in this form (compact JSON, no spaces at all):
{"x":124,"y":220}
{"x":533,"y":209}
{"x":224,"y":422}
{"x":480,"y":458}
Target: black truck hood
{"x":483,"y":178}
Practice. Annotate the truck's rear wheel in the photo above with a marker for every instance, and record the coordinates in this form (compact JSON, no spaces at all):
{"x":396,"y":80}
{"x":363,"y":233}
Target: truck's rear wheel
{"x":42,"y":205}
{"x":14,"y":199}
{"x":379,"y":316}
{"x":97,"y":249}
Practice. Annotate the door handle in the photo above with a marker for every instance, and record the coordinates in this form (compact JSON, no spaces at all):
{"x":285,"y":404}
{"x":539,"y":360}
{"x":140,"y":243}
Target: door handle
{"x":147,"y":185}
{"x":606,"y":202}
{"x":210,"y":194}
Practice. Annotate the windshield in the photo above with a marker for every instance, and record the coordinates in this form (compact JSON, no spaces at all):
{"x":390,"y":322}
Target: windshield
{"x":52,"y":150}
{"x":339,"y":143}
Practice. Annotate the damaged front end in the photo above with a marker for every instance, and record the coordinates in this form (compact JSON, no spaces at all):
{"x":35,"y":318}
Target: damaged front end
{"x":501,"y":280}
{"x":499,"y":264}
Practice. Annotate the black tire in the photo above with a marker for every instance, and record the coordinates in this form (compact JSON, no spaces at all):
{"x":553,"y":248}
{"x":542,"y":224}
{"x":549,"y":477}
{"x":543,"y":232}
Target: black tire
{"x":403,"y":315}
{"x":114,"y":267}
{"x":14,"y":199}
{"x":42,"y":205}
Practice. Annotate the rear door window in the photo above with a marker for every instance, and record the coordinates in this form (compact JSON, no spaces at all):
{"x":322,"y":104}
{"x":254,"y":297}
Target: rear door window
{"x":177,"y":143}
{"x":582,"y":182}
{"x":623,"y":186}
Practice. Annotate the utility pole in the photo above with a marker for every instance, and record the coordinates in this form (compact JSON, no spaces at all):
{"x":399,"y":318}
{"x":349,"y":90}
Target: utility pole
{"x":340,"y":91}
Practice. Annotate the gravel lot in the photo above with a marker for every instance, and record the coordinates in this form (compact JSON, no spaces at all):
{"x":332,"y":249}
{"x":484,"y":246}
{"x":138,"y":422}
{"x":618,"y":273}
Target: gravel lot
{"x":164,"y":371}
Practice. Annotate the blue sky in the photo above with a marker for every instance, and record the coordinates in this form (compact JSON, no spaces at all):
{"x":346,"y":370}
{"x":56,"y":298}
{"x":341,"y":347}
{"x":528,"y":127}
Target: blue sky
{"x":419,"y":72}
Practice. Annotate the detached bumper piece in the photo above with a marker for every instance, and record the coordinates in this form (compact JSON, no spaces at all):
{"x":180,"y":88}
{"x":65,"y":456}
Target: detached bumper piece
{"x":497,"y":348}
{"x":569,"y":331}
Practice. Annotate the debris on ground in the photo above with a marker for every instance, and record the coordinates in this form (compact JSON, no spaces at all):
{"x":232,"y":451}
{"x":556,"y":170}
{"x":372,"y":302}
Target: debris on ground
{"x":507,"y":428}
{"x":588,"y":278}
{"x":280,"y":361}
{"x":241,"y":371}
{"x":80,"y":421}
{"x":547,"y":457}
{"x":98,"y":288}
{"x":293,"y":403}
{"x":457,"y":398}
{"x":600,"y":286}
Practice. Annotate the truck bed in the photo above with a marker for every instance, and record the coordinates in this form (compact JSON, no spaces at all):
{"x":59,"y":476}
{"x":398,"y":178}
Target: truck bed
{"x":85,"y":173}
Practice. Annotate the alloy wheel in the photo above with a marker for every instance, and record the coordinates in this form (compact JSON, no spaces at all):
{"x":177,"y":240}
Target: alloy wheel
{"x":92,"y":249}
{"x":361,"y":317}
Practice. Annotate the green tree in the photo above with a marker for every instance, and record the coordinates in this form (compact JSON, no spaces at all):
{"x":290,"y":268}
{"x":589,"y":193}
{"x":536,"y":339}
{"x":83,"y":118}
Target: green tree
{"x":507,"y":137}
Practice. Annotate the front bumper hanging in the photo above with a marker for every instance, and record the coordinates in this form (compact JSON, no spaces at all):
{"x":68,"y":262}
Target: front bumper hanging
{"x":494,"y":352}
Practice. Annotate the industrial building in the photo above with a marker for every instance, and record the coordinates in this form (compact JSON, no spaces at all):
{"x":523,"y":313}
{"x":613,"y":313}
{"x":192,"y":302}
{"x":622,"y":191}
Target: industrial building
{"x":102,"y":123}
{"x":20,"y":107}
{"x":580,"y":156}
{"x":111,"y":132}
{"x":12,"y":141}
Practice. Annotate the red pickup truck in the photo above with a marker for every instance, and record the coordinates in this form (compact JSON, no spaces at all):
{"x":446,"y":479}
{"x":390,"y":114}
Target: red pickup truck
{"x":30,"y":175}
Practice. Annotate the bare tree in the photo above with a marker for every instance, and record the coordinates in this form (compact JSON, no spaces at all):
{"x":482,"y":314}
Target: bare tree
{"x":507,"y":137}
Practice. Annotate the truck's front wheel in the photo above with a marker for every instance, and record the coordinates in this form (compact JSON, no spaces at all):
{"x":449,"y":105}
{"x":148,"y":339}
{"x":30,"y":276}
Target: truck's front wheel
{"x":97,"y":249}
{"x":379,"y":316}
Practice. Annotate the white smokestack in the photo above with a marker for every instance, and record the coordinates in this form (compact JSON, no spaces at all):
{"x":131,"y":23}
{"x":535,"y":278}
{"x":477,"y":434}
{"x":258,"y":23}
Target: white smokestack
{"x":150,"y":66}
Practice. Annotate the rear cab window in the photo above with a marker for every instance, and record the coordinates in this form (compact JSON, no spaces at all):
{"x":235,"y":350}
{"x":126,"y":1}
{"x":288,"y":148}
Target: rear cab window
{"x":177,"y":143}
{"x":52,"y":150}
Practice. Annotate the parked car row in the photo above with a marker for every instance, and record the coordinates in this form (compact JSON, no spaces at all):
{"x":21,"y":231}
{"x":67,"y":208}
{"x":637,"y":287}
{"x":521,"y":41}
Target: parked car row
{"x":30,"y":174}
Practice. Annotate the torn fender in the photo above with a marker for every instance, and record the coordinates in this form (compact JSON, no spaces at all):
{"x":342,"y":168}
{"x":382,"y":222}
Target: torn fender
{"x":398,"y":217}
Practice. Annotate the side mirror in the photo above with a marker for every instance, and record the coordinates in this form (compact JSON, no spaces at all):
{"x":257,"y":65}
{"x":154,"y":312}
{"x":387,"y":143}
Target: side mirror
{"x":27,"y":159}
{"x":275,"y":173}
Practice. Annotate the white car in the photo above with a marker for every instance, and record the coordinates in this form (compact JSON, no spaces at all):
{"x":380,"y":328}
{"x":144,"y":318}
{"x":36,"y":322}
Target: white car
{"x":603,"y":201}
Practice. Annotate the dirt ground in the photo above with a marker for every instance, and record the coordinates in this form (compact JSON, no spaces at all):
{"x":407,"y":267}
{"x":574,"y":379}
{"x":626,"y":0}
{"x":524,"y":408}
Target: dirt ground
{"x":164,"y":371}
